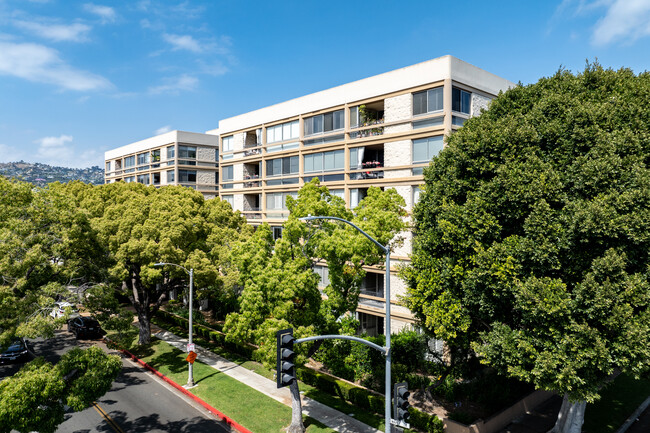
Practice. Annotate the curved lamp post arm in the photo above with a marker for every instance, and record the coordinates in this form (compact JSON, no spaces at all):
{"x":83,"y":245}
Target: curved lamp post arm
{"x":312,"y":218}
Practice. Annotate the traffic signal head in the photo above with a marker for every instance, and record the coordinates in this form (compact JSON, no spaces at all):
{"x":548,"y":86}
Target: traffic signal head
{"x":401,"y":403}
{"x":285,"y":369}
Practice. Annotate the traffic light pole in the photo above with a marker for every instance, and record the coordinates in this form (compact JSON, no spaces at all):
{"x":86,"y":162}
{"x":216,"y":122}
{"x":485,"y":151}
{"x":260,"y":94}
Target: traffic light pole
{"x":384,"y":350}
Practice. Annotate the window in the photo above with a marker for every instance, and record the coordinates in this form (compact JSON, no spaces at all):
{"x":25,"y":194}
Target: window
{"x":187,"y":175}
{"x":187,"y":152}
{"x":338,"y":193}
{"x":156,"y":178}
{"x":143,"y":178}
{"x":460,"y":100}
{"x":278,"y":200}
{"x":427,"y":101}
{"x":171,"y":152}
{"x":108,"y":166}
{"x":282,"y":166}
{"x":143,"y":158}
{"x":425,"y":149}
{"x":325,"y":161}
{"x":323,"y":274}
{"x":354,"y":117}
{"x":324,"y":123}
{"x":129,"y":161}
{"x":129,"y":179}
{"x":230,"y":199}
{"x":226,"y":145}
{"x":277,"y":232}
{"x":155,"y":155}
{"x":282,"y":132}
{"x":416,"y":194}
{"x":170,"y":176}
{"x":227,"y":173}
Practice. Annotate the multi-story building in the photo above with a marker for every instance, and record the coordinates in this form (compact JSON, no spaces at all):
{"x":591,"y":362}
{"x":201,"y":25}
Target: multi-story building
{"x":173,"y":158}
{"x":379,"y":131}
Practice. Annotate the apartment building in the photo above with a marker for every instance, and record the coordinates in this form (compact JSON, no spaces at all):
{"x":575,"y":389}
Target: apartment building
{"x":173,"y":158}
{"x":379,"y":131}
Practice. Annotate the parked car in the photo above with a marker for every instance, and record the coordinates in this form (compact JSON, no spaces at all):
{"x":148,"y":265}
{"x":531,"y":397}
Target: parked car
{"x":16,"y":352}
{"x":60,"y":307}
{"x":84,"y":326}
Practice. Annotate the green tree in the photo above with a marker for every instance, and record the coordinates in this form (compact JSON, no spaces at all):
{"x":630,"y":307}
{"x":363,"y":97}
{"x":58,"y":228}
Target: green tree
{"x":46,"y":245}
{"x":532,"y":235}
{"x":140,"y":226}
{"x":33,"y":399}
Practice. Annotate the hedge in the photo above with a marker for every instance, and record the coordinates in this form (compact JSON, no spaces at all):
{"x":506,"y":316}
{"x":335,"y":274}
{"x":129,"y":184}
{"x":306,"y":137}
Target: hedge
{"x":353,"y":394}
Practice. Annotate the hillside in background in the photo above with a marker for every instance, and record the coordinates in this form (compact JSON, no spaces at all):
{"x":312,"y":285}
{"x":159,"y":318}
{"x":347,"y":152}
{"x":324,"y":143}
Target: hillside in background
{"x":42,"y":174}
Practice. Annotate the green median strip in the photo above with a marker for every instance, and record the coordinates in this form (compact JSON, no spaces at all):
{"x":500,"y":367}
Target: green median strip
{"x":249,"y":407}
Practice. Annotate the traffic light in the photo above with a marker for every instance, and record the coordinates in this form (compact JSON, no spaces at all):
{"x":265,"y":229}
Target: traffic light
{"x":285,"y":369}
{"x":401,"y":404}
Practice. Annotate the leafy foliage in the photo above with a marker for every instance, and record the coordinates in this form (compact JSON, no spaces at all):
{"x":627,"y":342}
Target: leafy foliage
{"x":33,"y":398}
{"x":533,"y":230}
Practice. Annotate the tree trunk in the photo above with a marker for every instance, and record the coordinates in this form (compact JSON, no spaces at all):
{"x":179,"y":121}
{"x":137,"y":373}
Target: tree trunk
{"x":296,"y":410}
{"x":570,"y":417}
{"x":144,"y":335}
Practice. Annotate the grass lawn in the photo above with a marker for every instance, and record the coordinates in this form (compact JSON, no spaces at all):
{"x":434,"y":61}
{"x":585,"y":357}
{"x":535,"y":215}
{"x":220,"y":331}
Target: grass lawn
{"x":335,"y":402}
{"x":249,"y":407}
{"x":616,"y":404}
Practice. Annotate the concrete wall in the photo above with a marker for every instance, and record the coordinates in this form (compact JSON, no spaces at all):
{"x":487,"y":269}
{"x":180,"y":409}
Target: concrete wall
{"x":396,"y":154}
{"x":205,"y":177}
{"x":206,"y":153}
{"x":479,"y":102}
{"x":398,"y":108}
{"x":238,"y":202}
{"x":238,"y":141}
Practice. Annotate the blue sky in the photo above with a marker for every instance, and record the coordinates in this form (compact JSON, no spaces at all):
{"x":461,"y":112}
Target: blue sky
{"x":80,"y":78}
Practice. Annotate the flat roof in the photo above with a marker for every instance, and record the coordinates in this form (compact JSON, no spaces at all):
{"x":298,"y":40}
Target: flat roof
{"x":410,"y":76}
{"x":161,"y":140}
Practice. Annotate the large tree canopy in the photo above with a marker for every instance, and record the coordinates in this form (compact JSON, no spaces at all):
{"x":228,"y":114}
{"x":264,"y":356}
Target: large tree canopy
{"x":532,"y":235}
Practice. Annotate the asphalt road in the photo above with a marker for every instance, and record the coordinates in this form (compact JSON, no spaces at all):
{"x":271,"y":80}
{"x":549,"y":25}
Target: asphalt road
{"x":137,"y":401}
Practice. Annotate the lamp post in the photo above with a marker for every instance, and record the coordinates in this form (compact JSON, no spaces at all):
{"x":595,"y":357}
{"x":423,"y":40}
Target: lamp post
{"x":386,"y":250}
{"x":190,"y":377}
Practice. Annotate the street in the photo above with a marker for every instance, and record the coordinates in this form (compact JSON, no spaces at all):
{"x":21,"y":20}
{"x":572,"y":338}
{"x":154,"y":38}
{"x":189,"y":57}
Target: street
{"x":137,"y":401}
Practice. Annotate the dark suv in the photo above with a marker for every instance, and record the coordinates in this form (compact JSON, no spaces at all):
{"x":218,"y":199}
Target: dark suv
{"x":83,"y":326}
{"x":16,"y":352}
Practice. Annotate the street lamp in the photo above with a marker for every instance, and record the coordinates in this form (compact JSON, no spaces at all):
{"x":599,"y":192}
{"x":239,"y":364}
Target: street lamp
{"x":190,"y":378}
{"x":386,"y":250}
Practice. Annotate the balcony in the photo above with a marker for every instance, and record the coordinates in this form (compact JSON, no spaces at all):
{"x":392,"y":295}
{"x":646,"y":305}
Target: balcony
{"x":368,"y":132}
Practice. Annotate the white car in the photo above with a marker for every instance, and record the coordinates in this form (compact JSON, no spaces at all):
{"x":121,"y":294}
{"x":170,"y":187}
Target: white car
{"x":60,"y":308}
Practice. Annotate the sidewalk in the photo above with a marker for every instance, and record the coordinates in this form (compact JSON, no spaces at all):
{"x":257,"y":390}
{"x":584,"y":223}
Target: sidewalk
{"x":330,"y":417}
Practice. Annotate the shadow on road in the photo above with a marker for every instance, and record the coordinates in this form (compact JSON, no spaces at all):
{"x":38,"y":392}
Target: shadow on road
{"x":152,"y":423}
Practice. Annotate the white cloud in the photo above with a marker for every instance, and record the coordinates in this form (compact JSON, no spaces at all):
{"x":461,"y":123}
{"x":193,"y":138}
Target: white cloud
{"x":215,"y":69}
{"x":41,"y":64}
{"x":59,"y":151}
{"x":163,"y":130}
{"x":184,"y":42}
{"x":174,"y":85}
{"x":10,"y":154}
{"x":106,"y":13}
{"x":76,"y":32}
{"x":625,"y":20}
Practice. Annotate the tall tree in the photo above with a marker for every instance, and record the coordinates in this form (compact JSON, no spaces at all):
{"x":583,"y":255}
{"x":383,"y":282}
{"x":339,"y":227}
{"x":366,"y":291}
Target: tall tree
{"x":141,"y":226}
{"x":532,"y":235}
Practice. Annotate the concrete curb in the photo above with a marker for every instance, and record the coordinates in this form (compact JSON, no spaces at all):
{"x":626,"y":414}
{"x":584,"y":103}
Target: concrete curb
{"x":224,"y":418}
{"x":639,"y":410}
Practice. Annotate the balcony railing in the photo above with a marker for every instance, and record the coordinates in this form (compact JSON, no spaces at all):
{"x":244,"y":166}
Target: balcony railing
{"x":370,"y":132}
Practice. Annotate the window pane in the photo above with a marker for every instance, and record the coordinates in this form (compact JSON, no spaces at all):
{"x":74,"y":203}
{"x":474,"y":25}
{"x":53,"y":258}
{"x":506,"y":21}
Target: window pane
{"x":277,"y":167}
{"x":294,"y":164}
{"x":419,"y":103}
{"x":170,"y":176}
{"x":455,"y":99}
{"x":309,"y":163}
{"x":318,"y":162}
{"x":309,"y":126}
{"x":286,"y":131}
{"x":354,"y":117}
{"x":328,"y":122}
{"x":434,"y":146}
{"x":318,"y":124}
{"x":170,"y":152}
{"x":339,"y":159}
{"x":353,"y":158}
{"x":338,"y":120}
{"x":420,"y":150}
{"x":270,"y":201}
{"x":295,"y":130}
{"x":286,"y":166}
{"x":269,"y":167}
{"x":328,"y":161}
{"x":434,"y":97}
{"x":465,"y":102}
{"x":227,"y":144}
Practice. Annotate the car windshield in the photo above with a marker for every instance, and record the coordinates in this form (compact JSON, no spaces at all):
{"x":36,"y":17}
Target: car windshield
{"x":16,"y":345}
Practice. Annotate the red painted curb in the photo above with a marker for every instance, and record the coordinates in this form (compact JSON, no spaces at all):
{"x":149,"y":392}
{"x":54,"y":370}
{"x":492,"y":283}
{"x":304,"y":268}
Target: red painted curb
{"x":223,"y":417}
